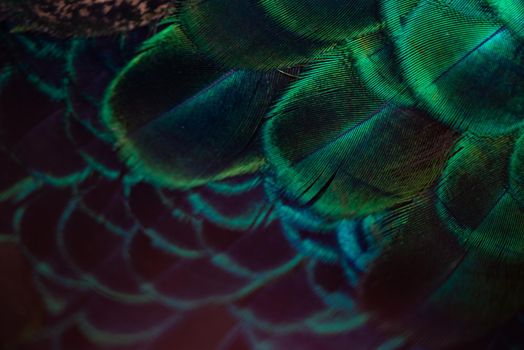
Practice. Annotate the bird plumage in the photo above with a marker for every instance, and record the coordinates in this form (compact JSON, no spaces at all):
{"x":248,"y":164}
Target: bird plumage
{"x":250,"y":174}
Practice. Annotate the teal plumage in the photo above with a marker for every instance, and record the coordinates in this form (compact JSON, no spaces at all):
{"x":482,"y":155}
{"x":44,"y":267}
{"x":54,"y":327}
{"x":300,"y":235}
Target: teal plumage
{"x":252,"y":174}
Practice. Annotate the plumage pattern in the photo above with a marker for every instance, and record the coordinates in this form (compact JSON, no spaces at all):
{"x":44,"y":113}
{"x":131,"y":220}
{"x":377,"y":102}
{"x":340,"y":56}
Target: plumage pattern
{"x":261,"y":174}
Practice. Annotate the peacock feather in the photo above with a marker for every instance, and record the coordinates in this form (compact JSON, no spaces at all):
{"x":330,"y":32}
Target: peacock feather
{"x":261,"y":174}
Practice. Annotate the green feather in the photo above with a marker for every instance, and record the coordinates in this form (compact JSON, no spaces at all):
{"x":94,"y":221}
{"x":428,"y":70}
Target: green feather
{"x":240,"y":33}
{"x":327,"y":20}
{"x":346,"y":151}
{"x":195,"y":124}
{"x":465,"y":69}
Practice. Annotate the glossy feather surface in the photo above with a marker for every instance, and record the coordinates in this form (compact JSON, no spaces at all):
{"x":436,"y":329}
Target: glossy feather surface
{"x":261,"y":174}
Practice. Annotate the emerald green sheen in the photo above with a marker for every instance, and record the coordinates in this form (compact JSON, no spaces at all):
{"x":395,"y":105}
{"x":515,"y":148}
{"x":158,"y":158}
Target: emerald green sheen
{"x":473,"y":180}
{"x":512,"y":13}
{"x":378,"y":66}
{"x":367,"y":156}
{"x":326,"y":20}
{"x":395,"y":12}
{"x":187,"y":126}
{"x":241,"y":34}
{"x":468,"y":73}
{"x":323,"y":147}
{"x":145,"y":89}
{"x":474,"y":202}
{"x":439,"y":280}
